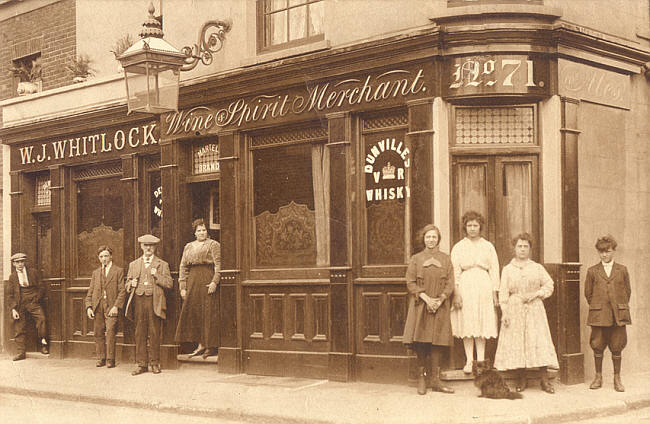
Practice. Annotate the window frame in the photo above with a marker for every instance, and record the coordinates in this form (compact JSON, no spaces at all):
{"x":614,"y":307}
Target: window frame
{"x":370,"y":271}
{"x":309,"y":274}
{"x":261,"y":29}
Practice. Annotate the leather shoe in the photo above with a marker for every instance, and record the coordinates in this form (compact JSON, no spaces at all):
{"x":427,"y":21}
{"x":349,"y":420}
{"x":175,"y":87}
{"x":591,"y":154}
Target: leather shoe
{"x":598,"y":381}
{"x":45,"y":350}
{"x":439,"y":387}
{"x":139,"y":370}
{"x":208,"y":352}
{"x":110,"y":363}
{"x":20,"y":357}
{"x":198,"y":351}
{"x":155,"y":368}
{"x":618,"y":384}
{"x":547,"y":386}
{"x":100,"y":363}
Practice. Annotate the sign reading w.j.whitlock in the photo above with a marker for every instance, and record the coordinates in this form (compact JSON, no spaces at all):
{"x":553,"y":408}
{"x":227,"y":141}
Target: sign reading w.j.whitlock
{"x":386,"y":88}
{"x":98,"y":144}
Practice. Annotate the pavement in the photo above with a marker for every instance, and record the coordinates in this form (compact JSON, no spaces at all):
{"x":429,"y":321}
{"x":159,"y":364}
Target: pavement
{"x":200,"y":390}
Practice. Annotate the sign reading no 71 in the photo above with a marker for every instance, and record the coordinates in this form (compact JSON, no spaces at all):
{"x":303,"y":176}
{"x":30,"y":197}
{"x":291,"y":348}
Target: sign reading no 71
{"x":496,"y":74}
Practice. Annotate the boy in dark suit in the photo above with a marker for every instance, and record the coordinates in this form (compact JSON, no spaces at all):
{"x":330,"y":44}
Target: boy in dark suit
{"x":103,"y":302}
{"x":25,"y":294}
{"x":607,"y":289}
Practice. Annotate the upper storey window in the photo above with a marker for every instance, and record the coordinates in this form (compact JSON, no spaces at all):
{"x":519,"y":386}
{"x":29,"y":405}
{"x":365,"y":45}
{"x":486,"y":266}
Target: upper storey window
{"x":288,"y":23}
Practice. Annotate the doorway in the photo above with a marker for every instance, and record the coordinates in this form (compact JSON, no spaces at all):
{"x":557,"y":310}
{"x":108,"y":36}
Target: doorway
{"x":504,"y":189}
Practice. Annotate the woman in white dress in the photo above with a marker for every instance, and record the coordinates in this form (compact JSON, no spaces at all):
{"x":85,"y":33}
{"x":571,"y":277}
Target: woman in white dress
{"x":476,"y":270}
{"x":525,"y":340}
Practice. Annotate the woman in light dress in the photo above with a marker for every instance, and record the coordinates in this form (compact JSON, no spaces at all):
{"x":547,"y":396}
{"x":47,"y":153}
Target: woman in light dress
{"x":525,"y":340}
{"x":198,"y":279}
{"x":476,"y":270}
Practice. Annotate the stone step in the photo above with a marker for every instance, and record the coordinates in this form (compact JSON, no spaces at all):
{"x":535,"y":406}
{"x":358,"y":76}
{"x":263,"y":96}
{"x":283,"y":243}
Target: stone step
{"x":185,"y":359}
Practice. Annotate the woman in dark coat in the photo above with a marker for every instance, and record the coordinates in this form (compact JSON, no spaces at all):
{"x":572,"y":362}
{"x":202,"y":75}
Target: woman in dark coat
{"x":198,"y":279}
{"x":430,"y":281}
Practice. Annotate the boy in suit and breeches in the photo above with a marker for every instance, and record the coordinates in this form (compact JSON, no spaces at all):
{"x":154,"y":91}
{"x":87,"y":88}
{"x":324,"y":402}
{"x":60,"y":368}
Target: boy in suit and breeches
{"x":103,"y":302}
{"x":25,"y":294}
{"x":146,"y":280}
{"x":607,"y":289}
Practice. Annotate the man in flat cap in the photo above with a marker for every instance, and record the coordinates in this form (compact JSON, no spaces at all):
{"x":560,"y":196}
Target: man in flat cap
{"x":103,"y":302}
{"x":25,"y":294}
{"x":146,"y":280}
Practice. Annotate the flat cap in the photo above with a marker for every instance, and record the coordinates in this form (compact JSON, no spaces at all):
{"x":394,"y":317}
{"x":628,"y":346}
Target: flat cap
{"x":18,"y":257}
{"x":148,"y":239}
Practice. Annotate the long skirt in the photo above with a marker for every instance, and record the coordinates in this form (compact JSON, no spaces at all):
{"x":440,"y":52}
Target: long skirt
{"x":199,"y":319}
{"x":477,"y":317}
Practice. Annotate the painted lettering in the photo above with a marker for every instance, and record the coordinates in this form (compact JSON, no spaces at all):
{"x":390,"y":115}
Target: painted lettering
{"x":26,"y":154}
{"x":59,"y":148}
{"x":103,"y":137}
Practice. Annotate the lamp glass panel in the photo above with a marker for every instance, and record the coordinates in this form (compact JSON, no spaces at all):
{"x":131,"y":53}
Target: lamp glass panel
{"x":155,"y":91}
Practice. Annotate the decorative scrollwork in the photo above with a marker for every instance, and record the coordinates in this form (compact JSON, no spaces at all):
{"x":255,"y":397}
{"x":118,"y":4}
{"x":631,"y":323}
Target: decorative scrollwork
{"x":211,"y":38}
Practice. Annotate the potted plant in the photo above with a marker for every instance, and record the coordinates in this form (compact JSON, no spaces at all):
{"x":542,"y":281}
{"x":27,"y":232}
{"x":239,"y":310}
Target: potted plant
{"x":29,"y":75}
{"x":120,"y":46}
{"x":80,"y":68}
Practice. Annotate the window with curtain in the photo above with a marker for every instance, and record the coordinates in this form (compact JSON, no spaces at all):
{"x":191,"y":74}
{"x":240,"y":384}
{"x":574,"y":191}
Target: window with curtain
{"x":502,"y":189}
{"x":284,"y":23}
{"x":471,"y":191}
{"x":291,"y":206}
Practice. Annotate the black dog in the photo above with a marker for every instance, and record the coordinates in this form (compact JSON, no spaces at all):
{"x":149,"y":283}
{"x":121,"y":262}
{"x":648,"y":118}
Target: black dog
{"x":490,"y":382}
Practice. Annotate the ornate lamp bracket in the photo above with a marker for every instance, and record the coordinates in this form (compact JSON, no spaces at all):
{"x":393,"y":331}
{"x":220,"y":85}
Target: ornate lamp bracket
{"x":211,"y":38}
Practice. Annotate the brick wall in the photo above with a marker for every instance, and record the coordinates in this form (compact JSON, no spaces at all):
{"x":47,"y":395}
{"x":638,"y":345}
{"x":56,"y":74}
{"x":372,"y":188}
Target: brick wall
{"x":51,"y":30}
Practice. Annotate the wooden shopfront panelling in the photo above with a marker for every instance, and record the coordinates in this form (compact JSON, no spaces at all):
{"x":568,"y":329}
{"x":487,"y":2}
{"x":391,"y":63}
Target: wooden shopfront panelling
{"x":91,"y":178}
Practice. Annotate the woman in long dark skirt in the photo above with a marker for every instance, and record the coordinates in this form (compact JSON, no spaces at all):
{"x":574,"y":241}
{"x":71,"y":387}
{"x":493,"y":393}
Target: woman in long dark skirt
{"x":427,"y":331}
{"x":198,"y":280}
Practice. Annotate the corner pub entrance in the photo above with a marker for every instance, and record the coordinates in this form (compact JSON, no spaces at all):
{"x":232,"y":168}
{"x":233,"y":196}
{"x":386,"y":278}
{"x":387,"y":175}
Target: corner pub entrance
{"x":315,"y":181}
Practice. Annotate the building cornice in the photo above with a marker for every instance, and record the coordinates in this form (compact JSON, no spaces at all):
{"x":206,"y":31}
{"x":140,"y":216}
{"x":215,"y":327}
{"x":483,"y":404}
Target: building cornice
{"x":557,"y":39}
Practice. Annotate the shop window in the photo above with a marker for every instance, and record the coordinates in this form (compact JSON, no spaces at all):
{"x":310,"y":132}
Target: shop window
{"x":43,"y":194}
{"x":287,"y":23}
{"x":99,"y":221}
{"x":386,"y":190}
{"x":291,"y":205}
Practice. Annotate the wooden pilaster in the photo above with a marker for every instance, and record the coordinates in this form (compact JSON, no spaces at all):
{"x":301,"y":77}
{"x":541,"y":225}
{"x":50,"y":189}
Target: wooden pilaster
{"x":230,"y":207}
{"x":56,"y":306}
{"x":419,"y":138}
{"x":170,"y":249}
{"x":340,"y":288}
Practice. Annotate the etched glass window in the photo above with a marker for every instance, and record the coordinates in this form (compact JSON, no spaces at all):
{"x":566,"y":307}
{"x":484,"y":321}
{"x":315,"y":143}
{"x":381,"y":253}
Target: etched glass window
{"x":43,"y":194}
{"x":205,"y":158}
{"x":386,"y":168}
{"x":495,"y":125}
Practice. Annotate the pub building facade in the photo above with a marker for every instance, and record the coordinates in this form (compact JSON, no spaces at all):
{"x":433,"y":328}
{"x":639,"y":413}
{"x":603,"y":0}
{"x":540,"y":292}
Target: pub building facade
{"x":314,"y":173}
